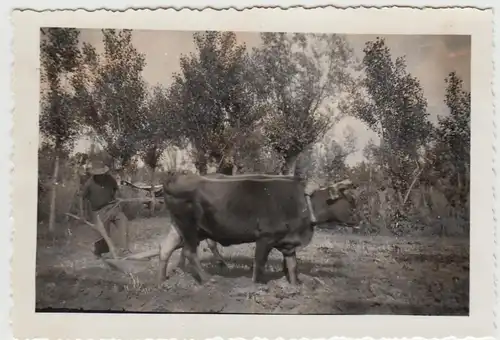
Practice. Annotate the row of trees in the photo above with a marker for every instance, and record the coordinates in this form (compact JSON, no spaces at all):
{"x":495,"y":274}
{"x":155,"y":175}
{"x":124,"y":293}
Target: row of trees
{"x":260,"y":110}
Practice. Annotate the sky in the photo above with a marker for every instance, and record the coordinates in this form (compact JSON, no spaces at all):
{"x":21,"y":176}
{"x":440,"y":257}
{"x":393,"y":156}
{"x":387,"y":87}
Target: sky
{"x":430,"y":58}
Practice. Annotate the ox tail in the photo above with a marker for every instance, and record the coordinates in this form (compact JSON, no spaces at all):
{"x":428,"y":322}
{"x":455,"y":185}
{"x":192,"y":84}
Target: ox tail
{"x":144,"y":255}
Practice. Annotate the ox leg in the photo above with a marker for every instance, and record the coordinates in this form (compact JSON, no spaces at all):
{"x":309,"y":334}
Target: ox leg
{"x":182,"y":261}
{"x":262,"y":250}
{"x":218,"y":257}
{"x":290,"y":265}
{"x":190,"y":253}
{"x":285,"y":269}
{"x":172,"y":242}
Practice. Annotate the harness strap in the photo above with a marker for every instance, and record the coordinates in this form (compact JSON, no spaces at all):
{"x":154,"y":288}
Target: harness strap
{"x":311,"y":209}
{"x":330,"y":194}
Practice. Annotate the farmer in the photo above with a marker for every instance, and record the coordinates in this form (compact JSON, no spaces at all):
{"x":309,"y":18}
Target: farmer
{"x":100,"y":193}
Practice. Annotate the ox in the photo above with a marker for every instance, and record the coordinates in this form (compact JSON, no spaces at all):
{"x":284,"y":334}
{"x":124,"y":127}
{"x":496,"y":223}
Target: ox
{"x":332,"y":201}
{"x":272,"y":211}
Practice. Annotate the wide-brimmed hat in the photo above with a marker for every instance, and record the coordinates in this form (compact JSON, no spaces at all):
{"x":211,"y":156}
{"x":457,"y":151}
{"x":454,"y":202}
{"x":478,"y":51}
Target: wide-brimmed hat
{"x":98,"y":168}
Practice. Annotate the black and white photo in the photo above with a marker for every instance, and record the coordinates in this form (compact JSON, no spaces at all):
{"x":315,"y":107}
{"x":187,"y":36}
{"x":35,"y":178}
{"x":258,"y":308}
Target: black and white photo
{"x":276,"y":170}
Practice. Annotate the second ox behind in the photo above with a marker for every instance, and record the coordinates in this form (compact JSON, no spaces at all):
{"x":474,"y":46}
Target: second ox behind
{"x":272,"y":211}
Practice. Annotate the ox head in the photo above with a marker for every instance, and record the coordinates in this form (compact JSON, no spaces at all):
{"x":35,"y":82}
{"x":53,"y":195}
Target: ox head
{"x":335,"y":204}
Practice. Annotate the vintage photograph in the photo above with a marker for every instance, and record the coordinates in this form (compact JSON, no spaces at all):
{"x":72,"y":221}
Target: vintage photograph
{"x":229,"y":172}
{"x":205,"y":171}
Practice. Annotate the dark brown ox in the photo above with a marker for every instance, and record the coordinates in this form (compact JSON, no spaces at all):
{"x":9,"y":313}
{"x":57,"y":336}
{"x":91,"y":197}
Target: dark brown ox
{"x":332,"y":201}
{"x":272,"y":211}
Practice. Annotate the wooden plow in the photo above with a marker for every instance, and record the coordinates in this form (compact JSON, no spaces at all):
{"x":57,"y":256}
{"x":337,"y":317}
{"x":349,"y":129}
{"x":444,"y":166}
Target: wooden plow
{"x":116,"y":262}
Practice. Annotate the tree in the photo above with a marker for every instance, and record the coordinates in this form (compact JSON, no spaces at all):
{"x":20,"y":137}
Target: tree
{"x":58,"y":121}
{"x":454,"y":129}
{"x":112,"y":93}
{"x":159,"y":131}
{"x":391,"y":102}
{"x":250,"y":153}
{"x":326,"y":160}
{"x":301,"y":77}
{"x":450,"y":155}
{"x":214,"y":97}
{"x":333,"y":163}
{"x":350,"y":141}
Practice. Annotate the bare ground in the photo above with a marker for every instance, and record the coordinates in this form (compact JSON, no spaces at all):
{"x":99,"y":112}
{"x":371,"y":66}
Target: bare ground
{"x":341,"y":274}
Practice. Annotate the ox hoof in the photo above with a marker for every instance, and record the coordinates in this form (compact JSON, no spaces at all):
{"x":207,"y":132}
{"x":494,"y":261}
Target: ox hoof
{"x":178,"y":270}
{"x":222,"y":264}
{"x":259,"y":280}
{"x":202,"y":279}
{"x":201,"y":284}
{"x":161,"y":280}
{"x":295,"y":282}
{"x":207,"y":279}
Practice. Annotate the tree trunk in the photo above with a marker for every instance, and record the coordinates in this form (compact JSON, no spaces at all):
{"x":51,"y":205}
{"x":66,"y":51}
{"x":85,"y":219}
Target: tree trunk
{"x":201,"y":166}
{"x":200,"y":162}
{"x":411,"y":185}
{"x":225,"y":167}
{"x":288,"y":167}
{"x":52,"y":216}
{"x":153,"y":198}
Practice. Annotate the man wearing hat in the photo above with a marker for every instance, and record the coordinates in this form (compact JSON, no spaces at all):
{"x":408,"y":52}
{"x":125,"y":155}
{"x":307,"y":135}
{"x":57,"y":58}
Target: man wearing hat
{"x":100,"y":193}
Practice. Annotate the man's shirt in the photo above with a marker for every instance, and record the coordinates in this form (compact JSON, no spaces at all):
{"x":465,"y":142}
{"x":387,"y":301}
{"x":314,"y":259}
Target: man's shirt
{"x":100,"y":190}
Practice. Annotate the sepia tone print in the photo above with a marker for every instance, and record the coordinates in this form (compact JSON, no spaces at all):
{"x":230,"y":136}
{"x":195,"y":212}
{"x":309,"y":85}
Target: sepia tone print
{"x":230,"y":172}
